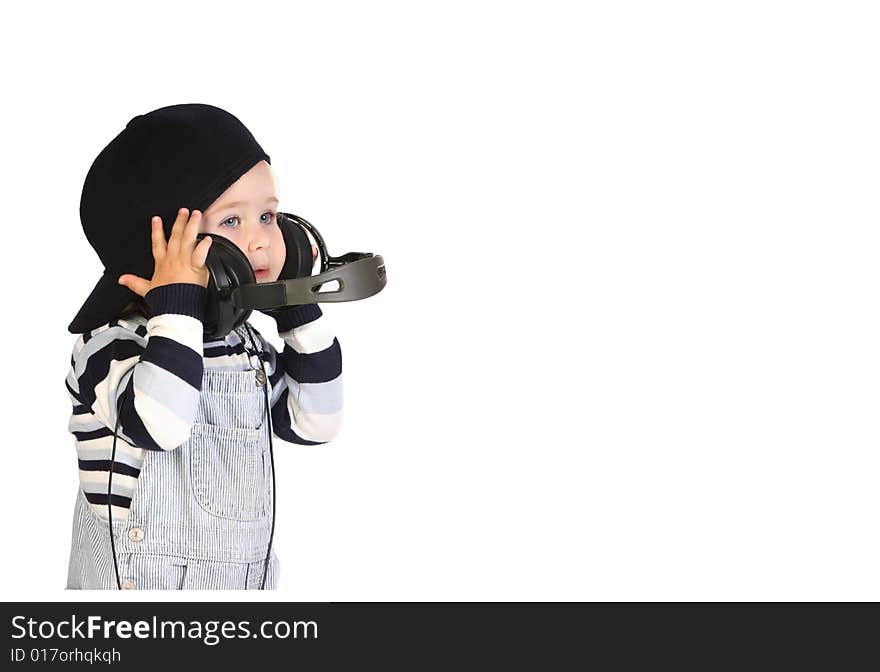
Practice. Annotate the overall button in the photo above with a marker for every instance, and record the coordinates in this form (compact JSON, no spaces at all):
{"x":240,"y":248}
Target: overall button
{"x":136,"y":534}
{"x":261,"y":378}
{"x":128,"y":585}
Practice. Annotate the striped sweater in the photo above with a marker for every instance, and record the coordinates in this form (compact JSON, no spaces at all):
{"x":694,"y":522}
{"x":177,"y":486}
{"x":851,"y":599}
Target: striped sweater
{"x":159,"y":363}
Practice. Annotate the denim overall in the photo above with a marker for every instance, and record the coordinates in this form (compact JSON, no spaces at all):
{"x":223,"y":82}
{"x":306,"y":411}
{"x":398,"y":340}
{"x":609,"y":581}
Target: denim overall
{"x":200,"y":516}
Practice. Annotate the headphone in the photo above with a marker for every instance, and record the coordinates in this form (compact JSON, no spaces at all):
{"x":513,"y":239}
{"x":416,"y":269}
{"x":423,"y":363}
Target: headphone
{"x":233,"y":293}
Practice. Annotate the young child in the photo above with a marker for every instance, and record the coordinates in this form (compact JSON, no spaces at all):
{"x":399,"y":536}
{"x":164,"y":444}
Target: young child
{"x":192,"y":481}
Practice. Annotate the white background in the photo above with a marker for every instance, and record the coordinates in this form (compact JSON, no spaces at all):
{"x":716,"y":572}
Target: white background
{"x":629,"y":347}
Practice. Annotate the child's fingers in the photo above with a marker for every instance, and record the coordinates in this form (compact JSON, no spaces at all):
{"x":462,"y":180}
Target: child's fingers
{"x":200,"y":253}
{"x":136,"y":284}
{"x":177,"y":230}
{"x":158,"y":237}
{"x":191,"y":230}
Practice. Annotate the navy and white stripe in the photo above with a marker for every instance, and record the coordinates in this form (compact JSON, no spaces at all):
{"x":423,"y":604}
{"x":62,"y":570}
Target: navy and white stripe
{"x":159,"y":364}
{"x":307,"y":392}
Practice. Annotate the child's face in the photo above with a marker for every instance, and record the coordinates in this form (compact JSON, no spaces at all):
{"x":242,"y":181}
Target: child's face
{"x":245,"y":214}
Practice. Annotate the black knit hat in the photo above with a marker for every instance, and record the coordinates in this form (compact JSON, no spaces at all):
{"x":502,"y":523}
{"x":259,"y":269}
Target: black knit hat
{"x":180,"y":156}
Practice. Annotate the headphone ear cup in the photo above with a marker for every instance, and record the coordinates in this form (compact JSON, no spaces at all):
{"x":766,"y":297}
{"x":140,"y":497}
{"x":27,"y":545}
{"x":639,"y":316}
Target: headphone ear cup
{"x":298,"y":260}
{"x":228,"y":268}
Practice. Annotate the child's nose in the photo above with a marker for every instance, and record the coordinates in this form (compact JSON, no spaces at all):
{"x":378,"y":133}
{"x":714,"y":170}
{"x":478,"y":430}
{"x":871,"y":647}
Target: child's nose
{"x":258,"y":239}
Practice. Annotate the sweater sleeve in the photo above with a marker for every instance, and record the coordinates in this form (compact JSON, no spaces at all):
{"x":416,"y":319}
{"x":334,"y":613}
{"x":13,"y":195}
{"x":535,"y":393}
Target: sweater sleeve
{"x":158,"y":367}
{"x":306,"y":377}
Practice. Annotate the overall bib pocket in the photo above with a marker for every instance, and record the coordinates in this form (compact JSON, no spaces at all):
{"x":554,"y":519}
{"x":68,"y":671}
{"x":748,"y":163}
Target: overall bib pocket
{"x":228,"y":477}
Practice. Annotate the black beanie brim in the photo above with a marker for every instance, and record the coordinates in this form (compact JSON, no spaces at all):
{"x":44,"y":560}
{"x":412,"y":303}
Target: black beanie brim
{"x":106,"y":300}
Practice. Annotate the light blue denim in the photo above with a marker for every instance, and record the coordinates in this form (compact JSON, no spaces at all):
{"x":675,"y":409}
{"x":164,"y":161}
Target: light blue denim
{"x":201,"y":513}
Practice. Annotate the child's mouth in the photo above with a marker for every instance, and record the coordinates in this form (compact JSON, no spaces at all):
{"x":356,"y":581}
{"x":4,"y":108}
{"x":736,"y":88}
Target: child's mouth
{"x":261,"y":274}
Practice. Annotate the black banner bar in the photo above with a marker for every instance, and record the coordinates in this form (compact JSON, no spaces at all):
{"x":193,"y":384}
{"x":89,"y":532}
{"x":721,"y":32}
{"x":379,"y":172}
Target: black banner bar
{"x":152,"y":635}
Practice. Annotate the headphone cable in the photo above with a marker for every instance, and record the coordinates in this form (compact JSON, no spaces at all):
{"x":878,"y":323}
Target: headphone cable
{"x":110,"y":492}
{"x":271,"y":452}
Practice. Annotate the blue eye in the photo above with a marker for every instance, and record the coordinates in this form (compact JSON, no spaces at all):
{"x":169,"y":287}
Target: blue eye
{"x":271,"y":219}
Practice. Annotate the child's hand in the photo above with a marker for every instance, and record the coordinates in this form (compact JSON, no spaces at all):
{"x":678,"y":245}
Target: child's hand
{"x":178,"y":260}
